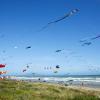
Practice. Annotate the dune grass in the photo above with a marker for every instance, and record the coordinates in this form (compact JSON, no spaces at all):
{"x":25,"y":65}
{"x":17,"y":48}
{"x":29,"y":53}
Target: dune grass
{"x":15,"y":90}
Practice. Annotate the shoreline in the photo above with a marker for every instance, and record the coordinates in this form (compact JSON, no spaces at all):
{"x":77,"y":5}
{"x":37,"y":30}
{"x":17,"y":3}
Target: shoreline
{"x":62,"y":81}
{"x":83,"y":87}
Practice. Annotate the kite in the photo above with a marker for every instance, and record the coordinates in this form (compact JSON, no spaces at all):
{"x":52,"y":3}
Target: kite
{"x":2,"y":65}
{"x":95,"y":37}
{"x":72,"y":12}
{"x":28,"y":47}
{"x":58,"y":50}
{"x":65,"y":51}
{"x":47,"y":68}
{"x":27,"y":66}
{"x":86,"y":43}
{"x":57,"y":66}
{"x":24,"y":70}
{"x":55,"y":71}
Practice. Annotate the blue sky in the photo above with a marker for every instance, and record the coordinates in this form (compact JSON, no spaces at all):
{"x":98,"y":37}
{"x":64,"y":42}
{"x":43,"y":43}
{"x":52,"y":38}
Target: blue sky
{"x":20,"y":21}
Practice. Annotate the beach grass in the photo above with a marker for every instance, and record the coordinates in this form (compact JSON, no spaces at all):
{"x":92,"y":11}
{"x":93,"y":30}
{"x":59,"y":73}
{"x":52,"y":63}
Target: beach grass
{"x":18,"y":90}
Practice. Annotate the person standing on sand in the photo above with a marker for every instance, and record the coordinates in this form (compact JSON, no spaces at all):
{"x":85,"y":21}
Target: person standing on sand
{"x":82,"y":84}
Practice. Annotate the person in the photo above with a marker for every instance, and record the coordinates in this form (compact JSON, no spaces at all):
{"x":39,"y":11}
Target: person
{"x":82,"y":84}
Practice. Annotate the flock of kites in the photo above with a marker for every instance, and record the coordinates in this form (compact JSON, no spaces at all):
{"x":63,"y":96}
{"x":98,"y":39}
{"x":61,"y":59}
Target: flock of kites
{"x":83,"y":42}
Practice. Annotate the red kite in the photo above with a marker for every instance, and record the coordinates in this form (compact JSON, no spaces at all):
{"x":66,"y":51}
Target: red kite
{"x":3,"y":72}
{"x":2,"y":65}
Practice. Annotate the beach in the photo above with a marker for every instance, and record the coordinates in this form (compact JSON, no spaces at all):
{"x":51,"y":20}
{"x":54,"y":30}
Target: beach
{"x":91,"y":83}
{"x":88,"y":82}
{"x":28,"y":90}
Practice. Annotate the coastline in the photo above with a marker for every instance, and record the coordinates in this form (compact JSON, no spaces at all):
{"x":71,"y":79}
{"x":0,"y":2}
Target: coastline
{"x":88,"y":82}
{"x":71,"y":85}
